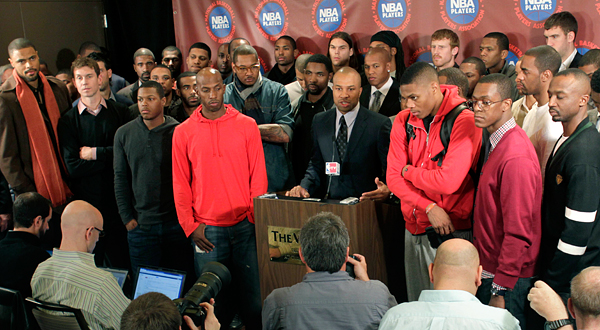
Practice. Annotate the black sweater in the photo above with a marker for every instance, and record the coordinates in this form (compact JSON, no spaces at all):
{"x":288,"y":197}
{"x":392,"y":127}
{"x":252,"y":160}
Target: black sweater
{"x":143,"y":172}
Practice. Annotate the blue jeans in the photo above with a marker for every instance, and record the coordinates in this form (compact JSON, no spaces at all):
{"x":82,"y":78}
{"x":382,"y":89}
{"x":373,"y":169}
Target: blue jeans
{"x":515,"y":300}
{"x":235,"y":247}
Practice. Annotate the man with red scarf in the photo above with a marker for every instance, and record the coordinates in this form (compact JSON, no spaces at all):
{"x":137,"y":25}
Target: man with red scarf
{"x":30,"y":105}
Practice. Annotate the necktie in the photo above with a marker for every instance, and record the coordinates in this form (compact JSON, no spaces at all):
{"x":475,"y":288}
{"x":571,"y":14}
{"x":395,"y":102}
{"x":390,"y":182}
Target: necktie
{"x":342,"y":138}
{"x":377,"y":102}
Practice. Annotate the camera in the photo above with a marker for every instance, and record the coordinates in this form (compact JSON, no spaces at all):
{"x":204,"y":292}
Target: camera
{"x":350,"y":267}
{"x":213,"y":278}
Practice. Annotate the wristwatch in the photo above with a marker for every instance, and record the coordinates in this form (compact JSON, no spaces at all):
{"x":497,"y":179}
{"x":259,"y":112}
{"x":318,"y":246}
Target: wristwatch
{"x":553,"y":325}
{"x":497,"y":292}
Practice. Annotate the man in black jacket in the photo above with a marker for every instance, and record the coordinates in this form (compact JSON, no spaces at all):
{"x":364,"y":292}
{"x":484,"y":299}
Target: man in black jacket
{"x":382,"y":93}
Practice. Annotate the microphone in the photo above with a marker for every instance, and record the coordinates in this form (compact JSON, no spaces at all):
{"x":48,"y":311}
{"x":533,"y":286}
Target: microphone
{"x":329,"y":175}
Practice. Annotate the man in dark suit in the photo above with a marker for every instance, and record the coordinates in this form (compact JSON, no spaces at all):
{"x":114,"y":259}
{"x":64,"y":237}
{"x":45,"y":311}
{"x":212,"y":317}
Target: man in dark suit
{"x":350,"y":141}
{"x":143,"y":63}
{"x":382,"y":93}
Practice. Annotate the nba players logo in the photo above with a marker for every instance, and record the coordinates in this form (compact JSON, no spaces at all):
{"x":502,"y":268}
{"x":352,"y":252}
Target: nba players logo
{"x":219,"y":20}
{"x":328,"y":17}
{"x":533,"y":13}
{"x":462,"y":15}
{"x":391,"y":14}
{"x":270,"y":18}
{"x":514,"y":54}
{"x":583,"y":46}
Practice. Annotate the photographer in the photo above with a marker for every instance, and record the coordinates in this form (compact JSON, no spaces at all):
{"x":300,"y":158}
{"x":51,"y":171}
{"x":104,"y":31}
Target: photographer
{"x":327,"y":297}
{"x":155,"y":311}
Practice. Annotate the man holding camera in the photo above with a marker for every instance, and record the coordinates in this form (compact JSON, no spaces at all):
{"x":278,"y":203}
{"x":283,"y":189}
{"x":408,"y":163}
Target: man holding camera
{"x":327,"y":297}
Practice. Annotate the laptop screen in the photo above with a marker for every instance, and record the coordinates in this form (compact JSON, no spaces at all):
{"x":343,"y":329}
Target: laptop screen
{"x":167,"y":282}
{"x":119,"y":274}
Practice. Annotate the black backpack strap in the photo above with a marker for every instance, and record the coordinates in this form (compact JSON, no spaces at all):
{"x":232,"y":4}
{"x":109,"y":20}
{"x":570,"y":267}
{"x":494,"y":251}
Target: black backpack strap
{"x":410,"y":130}
{"x":446,"y":130}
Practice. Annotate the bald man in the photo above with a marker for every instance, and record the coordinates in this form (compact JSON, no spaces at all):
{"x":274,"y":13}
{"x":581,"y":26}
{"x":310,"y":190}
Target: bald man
{"x":435,"y":188}
{"x":143,"y":63}
{"x":456,"y":275}
{"x":382,"y":93}
{"x":343,"y":138}
{"x":570,"y":239}
{"x":70,"y":276}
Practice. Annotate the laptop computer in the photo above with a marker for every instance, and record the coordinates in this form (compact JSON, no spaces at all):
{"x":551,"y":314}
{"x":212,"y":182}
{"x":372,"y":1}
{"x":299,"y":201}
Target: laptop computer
{"x":119,"y":274}
{"x":153,"y":279}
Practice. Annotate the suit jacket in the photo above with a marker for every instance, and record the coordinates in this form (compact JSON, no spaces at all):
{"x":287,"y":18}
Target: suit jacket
{"x":130,"y":91}
{"x":117,"y":83}
{"x":576,"y":59}
{"x":365,"y":158}
{"x":391,"y":103}
{"x":15,"y":152}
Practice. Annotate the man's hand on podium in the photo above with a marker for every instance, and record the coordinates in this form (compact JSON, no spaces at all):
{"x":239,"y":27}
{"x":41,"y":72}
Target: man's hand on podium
{"x":200,"y":240}
{"x":380,"y":194}
{"x":298,"y":191}
{"x":360,"y":267}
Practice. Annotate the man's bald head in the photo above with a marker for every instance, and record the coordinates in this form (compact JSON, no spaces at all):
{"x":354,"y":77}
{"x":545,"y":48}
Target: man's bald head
{"x":585,"y":292}
{"x":81,"y":224}
{"x":382,"y":53}
{"x":456,"y":266}
{"x":580,"y":80}
{"x":143,"y":52}
{"x":457,"y":253}
{"x":301,"y":62}
{"x":208,"y":74}
{"x":347,"y":72}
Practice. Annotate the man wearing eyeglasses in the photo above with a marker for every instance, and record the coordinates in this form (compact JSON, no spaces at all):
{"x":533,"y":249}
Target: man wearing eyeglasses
{"x":71,"y":278}
{"x":507,"y":225}
{"x":269,"y":104}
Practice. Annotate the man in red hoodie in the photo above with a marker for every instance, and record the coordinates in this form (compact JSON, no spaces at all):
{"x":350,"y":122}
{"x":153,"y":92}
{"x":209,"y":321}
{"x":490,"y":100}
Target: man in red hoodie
{"x":218,"y":168}
{"x":432,"y":192}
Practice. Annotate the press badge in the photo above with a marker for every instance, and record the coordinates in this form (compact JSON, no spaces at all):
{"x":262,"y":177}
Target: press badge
{"x":332,"y":168}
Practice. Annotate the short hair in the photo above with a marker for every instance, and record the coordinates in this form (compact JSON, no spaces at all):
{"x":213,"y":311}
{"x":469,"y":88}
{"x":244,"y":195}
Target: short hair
{"x":591,"y":57}
{"x":28,"y":206}
{"x":68,"y":72}
{"x":151,"y":311}
{"x":546,"y":58}
{"x":324,"y":241}
{"x":446,"y":34}
{"x":163,"y":67}
{"x":479,"y":64}
{"x":419,"y":71}
{"x":234,"y":40}
{"x":143,"y":52}
{"x":576,"y":73}
{"x":244,"y":50}
{"x":89,"y":45}
{"x":301,"y":62}
{"x":201,"y":45}
{"x":502,"y":82}
{"x":455,"y":77}
{"x":100,"y":57}
{"x":155,"y":85}
{"x":183,"y":75}
{"x":595,"y":82}
{"x":19,"y":43}
{"x":320,"y":58}
{"x":501,"y":39}
{"x":290,"y":39}
{"x":565,"y":20}
{"x":171,"y":49}
{"x":385,"y":53}
{"x":83,"y":62}
{"x":585,"y":292}
{"x":3,"y":69}
{"x":353,"y":61}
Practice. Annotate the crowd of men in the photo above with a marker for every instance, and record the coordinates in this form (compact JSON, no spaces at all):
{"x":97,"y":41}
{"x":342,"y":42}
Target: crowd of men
{"x":495,"y":166}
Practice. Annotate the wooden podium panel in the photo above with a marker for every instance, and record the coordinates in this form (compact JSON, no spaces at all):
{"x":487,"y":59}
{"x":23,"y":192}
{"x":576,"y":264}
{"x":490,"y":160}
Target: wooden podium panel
{"x":360,"y":219}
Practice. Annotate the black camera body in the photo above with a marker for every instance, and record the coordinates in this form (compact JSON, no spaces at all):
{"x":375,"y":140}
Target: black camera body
{"x":214,"y":277}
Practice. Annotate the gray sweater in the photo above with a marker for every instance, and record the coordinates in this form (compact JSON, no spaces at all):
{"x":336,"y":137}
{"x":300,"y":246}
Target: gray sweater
{"x":143,"y":172}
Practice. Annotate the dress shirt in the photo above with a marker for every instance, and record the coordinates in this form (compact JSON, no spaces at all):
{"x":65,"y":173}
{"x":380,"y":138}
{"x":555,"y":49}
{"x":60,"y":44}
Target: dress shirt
{"x":384,"y":90}
{"x":499,"y":133}
{"x":349,"y":117}
{"x":520,"y":110}
{"x":565,"y":65}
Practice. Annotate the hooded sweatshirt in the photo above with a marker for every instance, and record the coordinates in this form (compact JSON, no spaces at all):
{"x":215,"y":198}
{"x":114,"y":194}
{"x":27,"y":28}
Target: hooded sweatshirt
{"x":449,"y":186}
{"x":218,"y":168}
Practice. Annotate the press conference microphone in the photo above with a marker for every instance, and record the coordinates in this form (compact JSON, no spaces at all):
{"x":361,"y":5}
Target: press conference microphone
{"x":332,"y":159}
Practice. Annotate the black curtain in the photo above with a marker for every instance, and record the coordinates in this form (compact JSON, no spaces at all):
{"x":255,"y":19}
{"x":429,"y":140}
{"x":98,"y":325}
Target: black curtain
{"x":133,"y":24}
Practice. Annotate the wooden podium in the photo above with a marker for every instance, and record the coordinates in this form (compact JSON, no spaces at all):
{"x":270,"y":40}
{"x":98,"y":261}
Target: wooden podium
{"x":363,"y":227}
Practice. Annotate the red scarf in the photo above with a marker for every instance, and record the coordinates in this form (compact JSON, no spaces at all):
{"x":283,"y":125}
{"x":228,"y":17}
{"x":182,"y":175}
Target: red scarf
{"x":46,"y":170}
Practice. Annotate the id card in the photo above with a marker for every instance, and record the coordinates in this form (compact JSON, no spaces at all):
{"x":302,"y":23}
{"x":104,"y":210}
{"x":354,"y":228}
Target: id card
{"x":332,"y":168}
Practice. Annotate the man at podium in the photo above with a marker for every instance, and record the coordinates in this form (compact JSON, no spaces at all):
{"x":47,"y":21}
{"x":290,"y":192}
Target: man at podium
{"x":350,"y":147}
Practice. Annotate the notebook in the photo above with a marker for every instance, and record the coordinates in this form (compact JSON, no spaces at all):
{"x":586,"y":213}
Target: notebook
{"x":119,"y":274}
{"x":152,"y":279}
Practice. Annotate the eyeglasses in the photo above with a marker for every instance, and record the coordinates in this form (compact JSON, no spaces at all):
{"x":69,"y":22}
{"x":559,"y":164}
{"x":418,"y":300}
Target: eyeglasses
{"x":99,"y":230}
{"x":254,"y":68}
{"x":483,"y":105}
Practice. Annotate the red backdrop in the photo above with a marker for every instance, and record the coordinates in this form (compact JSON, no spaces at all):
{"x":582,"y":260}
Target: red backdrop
{"x":311,"y":23}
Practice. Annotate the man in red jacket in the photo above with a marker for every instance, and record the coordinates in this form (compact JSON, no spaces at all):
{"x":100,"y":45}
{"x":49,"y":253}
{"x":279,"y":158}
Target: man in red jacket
{"x":218,"y":168}
{"x":507,"y":224}
{"x":432,"y":193}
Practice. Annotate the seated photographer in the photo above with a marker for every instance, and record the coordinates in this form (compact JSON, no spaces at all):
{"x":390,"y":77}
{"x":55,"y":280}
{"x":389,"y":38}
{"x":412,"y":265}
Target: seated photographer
{"x":154,"y":310}
{"x":584,"y":303}
{"x":327,"y":297}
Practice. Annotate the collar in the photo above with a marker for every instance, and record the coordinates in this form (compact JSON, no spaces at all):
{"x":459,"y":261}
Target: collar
{"x":326,"y":98}
{"x":499,"y":133}
{"x":349,"y":117}
{"x":84,"y":257}
{"x":326,"y":276}
{"x":82,"y":107}
{"x":446,"y":296}
{"x":385,"y":88}
{"x":24,"y":236}
{"x":112,"y":96}
{"x":39,"y":89}
{"x":245,"y":91}
{"x":569,"y":60}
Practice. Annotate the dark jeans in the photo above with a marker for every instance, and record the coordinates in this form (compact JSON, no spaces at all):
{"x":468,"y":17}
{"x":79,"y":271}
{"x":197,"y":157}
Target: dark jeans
{"x":162,"y":245}
{"x":235,"y":247}
{"x":515,"y":300}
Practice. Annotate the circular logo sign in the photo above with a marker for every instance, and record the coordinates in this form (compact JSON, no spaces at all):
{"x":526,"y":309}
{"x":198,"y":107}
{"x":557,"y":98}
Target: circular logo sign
{"x":533,"y":13}
{"x":583,"y":46}
{"x":219,"y":20}
{"x":270,"y":18}
{"x":423,"y":54}
{"x":328,"y":17}
{"x":514,"y":54}
{"x":462,"y":15}
{"x":391,"y":14}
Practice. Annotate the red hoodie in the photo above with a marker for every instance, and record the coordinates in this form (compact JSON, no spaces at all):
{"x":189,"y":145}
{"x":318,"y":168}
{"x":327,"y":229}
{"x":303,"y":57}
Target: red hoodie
{"x":218,"y":168}
{"x":450,"y":186}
